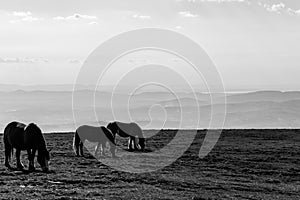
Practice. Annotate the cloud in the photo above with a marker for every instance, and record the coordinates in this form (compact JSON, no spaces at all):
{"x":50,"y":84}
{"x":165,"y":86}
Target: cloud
{"x":144,"y":17}
{"x":221,"y":1}
{"x":23,"y":16}
{"x":187,"y":14}
{"x":23,"y":60}
{"x":176,"y":60}
{"x":75,"y":16}
{"x":216,"y":1}
{"x":74,"y":61}
{"x":93,"y":23}
{"x":280,"y":8}
{"x":30,"y":19}
{"x":293,"y":12}
{"x":138,"y":61}
{"x":275,"y":7}
{"x":179,"y":27}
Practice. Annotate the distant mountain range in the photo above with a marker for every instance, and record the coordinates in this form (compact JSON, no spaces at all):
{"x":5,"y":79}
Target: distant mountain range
{"x":53,"y":109}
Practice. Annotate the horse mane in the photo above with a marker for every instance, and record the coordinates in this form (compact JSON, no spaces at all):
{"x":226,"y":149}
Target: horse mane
{"x":33,"y":128}
{"x":113,"y":127}
{"x":118,"y":127}
{"x":109,"y":134}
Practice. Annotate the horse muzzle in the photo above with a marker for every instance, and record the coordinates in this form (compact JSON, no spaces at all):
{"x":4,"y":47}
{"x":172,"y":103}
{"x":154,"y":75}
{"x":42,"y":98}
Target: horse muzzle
{"x":46,"y":167}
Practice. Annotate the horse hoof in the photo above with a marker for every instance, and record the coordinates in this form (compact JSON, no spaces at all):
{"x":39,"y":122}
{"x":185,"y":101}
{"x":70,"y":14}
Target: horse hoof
{"x":8,"y":166}
{"x":45,"y":170}
{"x":31,"y":169}
{"x":20,"y":167}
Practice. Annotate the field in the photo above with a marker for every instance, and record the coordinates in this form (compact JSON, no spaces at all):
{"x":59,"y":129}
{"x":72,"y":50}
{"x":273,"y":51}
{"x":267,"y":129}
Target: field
{"x":244,"y":164}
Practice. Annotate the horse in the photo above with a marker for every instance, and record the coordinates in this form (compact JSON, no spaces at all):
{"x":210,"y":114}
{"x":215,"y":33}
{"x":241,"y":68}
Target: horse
{"x":93,"y":134}
{"x":21,"y":137}
{"x":131,"y":130}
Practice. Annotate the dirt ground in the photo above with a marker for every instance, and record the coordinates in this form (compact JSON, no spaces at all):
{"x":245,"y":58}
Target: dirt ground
{"x":245,"y":164}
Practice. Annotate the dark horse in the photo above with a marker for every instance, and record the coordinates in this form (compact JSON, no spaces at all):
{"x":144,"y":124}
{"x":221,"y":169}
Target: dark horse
{"x":131,"y":130}
{"x":30,"y":138}
{"x":93,"y":134}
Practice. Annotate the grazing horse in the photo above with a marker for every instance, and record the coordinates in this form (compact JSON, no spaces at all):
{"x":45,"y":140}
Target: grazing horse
{"x":131,"y":130}
{"x":30,"y":138}
{"x":93,"y":134}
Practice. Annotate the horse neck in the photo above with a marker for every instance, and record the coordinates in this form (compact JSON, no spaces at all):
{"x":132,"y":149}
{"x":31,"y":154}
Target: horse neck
{"x":111,"y":138}
{"x":114,"y":134}
{"x":109,"y":135}
{"x":122,"y":133}
{"x":42,"y":147}
{"x":140,"y":134}
{"x":41,"y":144}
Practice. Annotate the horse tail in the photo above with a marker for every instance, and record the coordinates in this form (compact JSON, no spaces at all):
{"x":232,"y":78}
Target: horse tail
{"x":76,"y":141}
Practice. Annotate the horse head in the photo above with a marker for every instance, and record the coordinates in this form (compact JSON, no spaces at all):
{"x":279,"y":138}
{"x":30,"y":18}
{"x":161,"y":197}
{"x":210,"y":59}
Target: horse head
{"x":113,"y":127}
{"x":43,"y":159}
{"x":142,"y":143}
{"x":35,"y":135}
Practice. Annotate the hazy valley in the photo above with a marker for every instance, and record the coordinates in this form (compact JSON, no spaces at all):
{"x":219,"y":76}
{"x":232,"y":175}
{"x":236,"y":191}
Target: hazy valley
{"x":53,"y":109}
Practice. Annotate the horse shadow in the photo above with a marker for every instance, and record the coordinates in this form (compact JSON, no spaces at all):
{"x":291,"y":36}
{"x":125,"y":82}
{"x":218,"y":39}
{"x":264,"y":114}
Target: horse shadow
{"x":90,"y":156}
{"x":138,"y":150}
{"x":26,"y":171}
{"x":93,"y":157}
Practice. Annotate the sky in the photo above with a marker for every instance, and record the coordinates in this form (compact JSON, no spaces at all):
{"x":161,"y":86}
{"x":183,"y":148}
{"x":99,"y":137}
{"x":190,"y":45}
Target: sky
{"x":254,"y":44}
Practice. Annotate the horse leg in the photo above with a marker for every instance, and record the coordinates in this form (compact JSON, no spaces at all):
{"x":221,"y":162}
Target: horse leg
{"x":130,"y":143}
{"x":8,"y":152}
{"x":106,"y":146}
{"x":81,"y":148}
{"x":77,"y":150}
{"x":101,"y":149}
{"x":129,"y":146}
{"x":31,"y":155}
{"x":76,"y":144}
{"x":135,"y":144}
{"x":97,"y":149}
{"x":19,"y":164}
{"x":112,"y":149}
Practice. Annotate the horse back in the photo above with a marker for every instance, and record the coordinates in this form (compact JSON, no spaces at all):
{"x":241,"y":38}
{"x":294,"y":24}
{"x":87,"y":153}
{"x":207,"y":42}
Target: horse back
{"x":90,"y":133}
{"x":14,"y":135}
{"x":129,"y":129}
